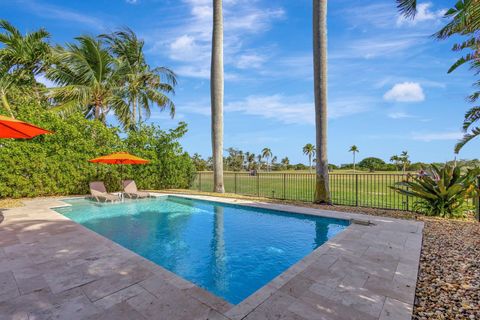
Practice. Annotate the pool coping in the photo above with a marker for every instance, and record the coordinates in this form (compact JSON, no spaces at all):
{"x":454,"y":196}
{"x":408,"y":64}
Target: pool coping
{"x":353,"y":242}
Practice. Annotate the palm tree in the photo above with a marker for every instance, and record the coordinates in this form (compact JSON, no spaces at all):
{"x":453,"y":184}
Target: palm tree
{"x":250,"y":160}
{"x":266,"y":153}
{"x":23,"y":56}
{"x":309,"y":150}
{"x":285,"y":162}
{"x":353,"y":149}
{"x":216,"y":92}
{"x":274,"y":161}
{"x":322,"y":189}
{"x":404,"y":160}
{"x":395,"y":159}
{"x":259,"y":159}
{"x":143,"y":85}
{"x":87,"y":79}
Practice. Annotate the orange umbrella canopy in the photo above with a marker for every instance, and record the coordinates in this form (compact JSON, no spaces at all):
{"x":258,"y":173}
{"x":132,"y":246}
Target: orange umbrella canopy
{"x":13,"y":128}
{"x":119,"y":158}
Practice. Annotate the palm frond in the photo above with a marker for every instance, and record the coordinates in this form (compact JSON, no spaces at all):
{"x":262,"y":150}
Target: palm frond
{"x":467,"y":137}
{"x":465,"y":19}
{"x":471,"y":116}
{"x":407,"y":8}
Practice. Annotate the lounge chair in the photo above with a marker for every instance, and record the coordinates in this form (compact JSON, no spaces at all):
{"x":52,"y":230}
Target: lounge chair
{"x":99,"y":192}
{"x":130,"y":190}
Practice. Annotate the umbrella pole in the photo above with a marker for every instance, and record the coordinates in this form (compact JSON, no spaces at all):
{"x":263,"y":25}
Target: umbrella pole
{"x":121,"y":179}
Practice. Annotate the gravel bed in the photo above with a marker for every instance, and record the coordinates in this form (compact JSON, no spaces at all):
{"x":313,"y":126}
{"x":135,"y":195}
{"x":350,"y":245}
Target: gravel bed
{"x":448,"y":284}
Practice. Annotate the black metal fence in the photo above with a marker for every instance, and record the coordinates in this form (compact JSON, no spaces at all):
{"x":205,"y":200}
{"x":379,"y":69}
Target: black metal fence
{"x":361,"y":189}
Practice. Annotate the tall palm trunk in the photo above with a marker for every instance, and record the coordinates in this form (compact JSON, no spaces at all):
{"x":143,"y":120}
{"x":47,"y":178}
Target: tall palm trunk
{"x":134,"y":110}
{"x":97,"y":111}
{"x":322,"y":190}
{"x":310,"y":162}
{"x":6,"y":104}
{"x":216,"y":92}
{"x":354,"y":161}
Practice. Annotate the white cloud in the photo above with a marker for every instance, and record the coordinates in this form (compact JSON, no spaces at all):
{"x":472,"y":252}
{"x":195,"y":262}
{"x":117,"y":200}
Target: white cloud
{"x":277,"y":107}
{"x":249,"y":61}
{"x":132,"y":1}
{"x":185,"y":48}
{"x":400,"y":115}
{"x":189,"y":41}
{"x":436,"y":136}
{"x":424,"y":13}
{"x":405,"y":92}
{"x":294,"y":109}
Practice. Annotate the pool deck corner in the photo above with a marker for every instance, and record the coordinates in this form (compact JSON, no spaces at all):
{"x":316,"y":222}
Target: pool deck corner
{"x":54,"y":268}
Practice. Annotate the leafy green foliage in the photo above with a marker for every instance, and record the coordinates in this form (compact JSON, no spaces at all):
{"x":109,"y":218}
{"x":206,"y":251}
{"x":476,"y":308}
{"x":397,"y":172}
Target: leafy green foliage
{"x":442,"y":191}
{"x":372,"y":163}
{"x":57,"y":164}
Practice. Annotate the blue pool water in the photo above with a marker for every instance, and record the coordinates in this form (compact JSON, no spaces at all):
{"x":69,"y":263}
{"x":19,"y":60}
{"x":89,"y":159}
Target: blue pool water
{"x":229,"y":250}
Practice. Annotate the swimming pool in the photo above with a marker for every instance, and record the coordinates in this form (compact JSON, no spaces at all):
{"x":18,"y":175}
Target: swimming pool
{"x":229,"y":250}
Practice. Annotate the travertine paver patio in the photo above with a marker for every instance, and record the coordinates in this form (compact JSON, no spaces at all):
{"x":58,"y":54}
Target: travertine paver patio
{"x":53,"y":268}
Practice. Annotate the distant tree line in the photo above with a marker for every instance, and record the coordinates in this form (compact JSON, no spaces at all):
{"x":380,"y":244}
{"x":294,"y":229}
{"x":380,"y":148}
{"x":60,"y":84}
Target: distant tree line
{"x":238,"y":160}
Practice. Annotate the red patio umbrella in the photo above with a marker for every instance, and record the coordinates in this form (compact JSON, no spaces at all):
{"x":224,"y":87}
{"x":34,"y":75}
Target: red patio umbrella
{"x":120,"y":158}
{"x":16,"y":129}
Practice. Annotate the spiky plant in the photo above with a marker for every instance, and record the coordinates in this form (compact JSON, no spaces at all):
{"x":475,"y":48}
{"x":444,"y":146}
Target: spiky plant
{"x":440,"y":191}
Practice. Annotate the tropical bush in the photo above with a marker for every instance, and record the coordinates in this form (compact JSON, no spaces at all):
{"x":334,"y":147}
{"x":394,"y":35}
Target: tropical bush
{"x":57,"y":164}
{"x":440,"y":191}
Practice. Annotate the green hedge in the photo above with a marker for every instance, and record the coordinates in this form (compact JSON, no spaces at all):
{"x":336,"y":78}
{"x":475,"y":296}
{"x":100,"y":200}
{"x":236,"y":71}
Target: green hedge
{"x":57,"y":164}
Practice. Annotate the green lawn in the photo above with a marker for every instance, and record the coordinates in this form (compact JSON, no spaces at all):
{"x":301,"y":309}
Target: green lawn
{"x":363,"y":189}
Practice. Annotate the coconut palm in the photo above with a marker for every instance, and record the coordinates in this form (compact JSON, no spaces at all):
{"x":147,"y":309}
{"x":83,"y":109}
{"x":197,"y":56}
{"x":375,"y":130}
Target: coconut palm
{"x":274,"y":161}
{"x":404,"y":160}
{"x":353,"y":149}
{"x":250,"y":160}
{"x":216,"y":92}
{"x":23,"y":56}
{"x":322,"y":189}
{"x":259,"y":161}
{"x":143,"y":85}
{"x":87,"y":80}
{"x":395,"y":159}
{"x":309,"y":150}
{"x":285,"y":162}
{"x":266,"y":153}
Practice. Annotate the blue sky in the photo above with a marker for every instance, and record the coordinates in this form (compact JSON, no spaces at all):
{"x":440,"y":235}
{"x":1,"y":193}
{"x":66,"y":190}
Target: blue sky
{"x":388,"y":86}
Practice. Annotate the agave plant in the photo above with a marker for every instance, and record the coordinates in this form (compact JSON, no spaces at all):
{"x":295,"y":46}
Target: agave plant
{"x":440,"y":191}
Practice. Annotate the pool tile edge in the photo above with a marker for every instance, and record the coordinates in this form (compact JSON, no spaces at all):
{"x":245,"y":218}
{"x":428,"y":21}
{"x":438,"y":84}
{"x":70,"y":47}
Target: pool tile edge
{"x":356,"y":247}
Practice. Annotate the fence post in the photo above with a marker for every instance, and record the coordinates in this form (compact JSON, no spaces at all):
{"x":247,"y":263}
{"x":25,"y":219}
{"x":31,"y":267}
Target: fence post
{"x":258,"y":184}
{"x":199,"y":181}
{"x":235,"y":183}
{"x":284,"y":186}
{"x":407,"y":190}
{"x":356,"y":190}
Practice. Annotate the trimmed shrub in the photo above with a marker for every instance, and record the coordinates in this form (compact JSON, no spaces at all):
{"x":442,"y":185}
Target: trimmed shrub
{"x":57,"y":164}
